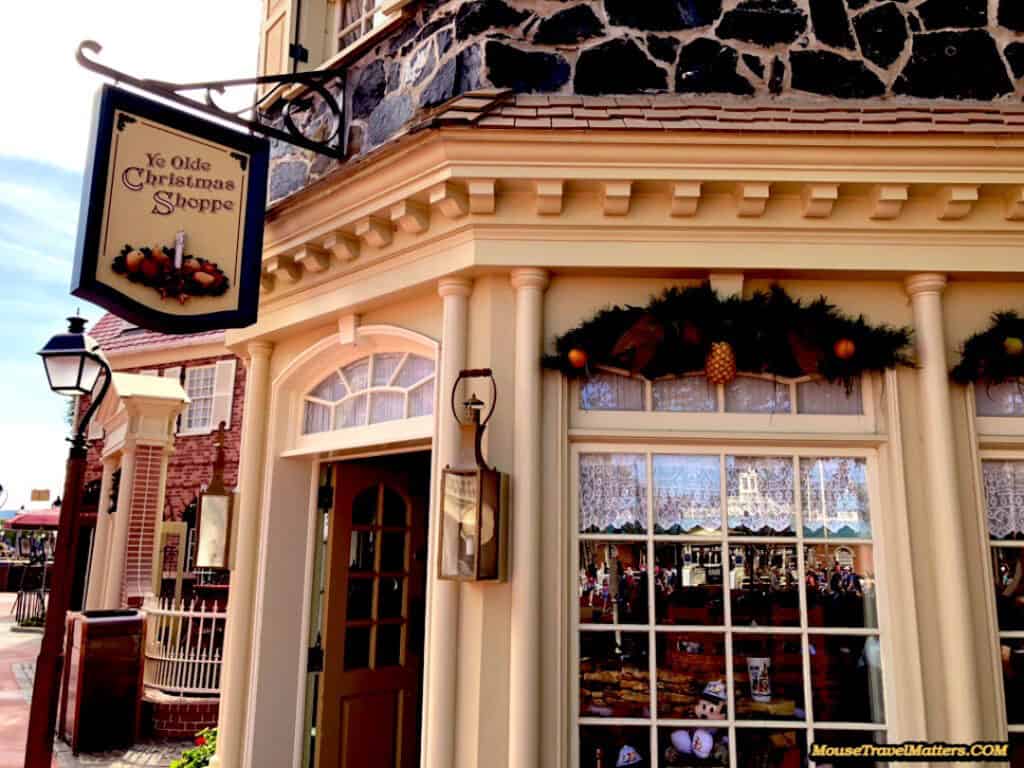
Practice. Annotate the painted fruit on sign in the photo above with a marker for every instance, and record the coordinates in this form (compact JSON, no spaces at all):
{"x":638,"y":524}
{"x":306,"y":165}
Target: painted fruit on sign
{"x":154,"y":267}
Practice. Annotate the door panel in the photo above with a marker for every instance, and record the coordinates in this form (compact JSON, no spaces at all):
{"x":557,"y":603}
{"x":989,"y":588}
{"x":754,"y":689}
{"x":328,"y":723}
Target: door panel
{"x":373,"y":645}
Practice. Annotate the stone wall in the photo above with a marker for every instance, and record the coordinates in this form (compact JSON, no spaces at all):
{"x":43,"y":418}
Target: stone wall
{"x":755,"y":49}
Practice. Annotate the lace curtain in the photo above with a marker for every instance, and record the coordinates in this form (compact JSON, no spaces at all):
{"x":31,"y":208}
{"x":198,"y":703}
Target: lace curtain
{"x":613,"y":493}
{"x":687,"y":494}
{"x":760,"y":495}
{"x":1006,"y":399}
{"x":834,"y":497}
{"x":610,"y":392}
{"x":1004,"y":498}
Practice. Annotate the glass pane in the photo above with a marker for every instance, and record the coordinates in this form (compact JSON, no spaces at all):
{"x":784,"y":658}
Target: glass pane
{"x":386,"y":406}
{"x":687,"y":494}
{"x":1012,"y":655}
{"x":834,"y":496}
{"x":1008,"y":581}
{"x":421,"y":399}
{"x":416,"y":368}
{"x":1006,"y":399}
{"x":317,"y":418}
{"x":361,"y":551}
{"x":384,"y":367}
{"x":770,"y":749}
{"x":692,"y":394}
{"x":760,"y":495}
{"x":1004,"y":498}
{"x":609,"y":746}
{"x":840,"y":583}
{"x":763,"y":581}
{"x":389,"y":645}
{"x":613,"y":493}
{"x":351,"y":412}
{"x":613,"y":582}
{"x":392,"y":552}
{"x":364,"y":508}
{"x":331,"y":389}
{"x":849,"y":739}
{"x":395,"y":510}
{"x":1017,"y":748}
{"x":688,"y":584}
{"x":691,"y":676}
{"x":614,"y":675}
{"x":846,"y":679}
{"x":768,"y":677}
{"x":390,"y":592}
{"x":356,"y":374}
{"x":611,"y":392}
{"x":820,"y":396}
{"x":690,"y":747}
{"x":747,"y":394}
{"x":357,"y":648}
{"x":360,"y":599}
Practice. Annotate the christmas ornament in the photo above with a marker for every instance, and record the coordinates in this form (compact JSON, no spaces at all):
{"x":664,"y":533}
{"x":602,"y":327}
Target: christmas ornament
{"x":720,"y":365}
{"x":807,"y":356}
{"x":577,"y":357}
{"x":844,"y":349}
{"x":1013,"y":345}
{"x":995,"y":355}
{"x":690,"y":334}
{"x":638,"y":346}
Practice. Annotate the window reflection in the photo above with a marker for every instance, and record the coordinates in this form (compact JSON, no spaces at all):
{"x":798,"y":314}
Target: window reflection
{"x":760,"y":495}
{"x":691,"y":676}
{"x":770,"y":749}
{"x":834,"y":494}
{"x":614,"y":675}
{"x":840,"y":584}
{"x":688,"y":584}
{"x":1008,"y":580}
{"x":768,"y":677}
{"x":613,"y":493}
{"x":609,"y":746}
{"x":687,"y":494}
{"x":763,"y":581}
{"x":846,"y":678}
{"x":1011,"y":652}
{"x":613,"y":582}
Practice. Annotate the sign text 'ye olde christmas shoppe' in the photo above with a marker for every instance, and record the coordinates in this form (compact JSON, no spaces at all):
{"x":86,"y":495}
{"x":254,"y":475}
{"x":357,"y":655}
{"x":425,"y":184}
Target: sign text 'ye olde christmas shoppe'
{"x":172,"y":218}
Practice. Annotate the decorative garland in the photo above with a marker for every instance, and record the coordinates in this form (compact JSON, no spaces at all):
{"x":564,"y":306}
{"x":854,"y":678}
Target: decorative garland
{"x":996,"y":354}
{"x":173,"y":276}
{"x":693,"y":329}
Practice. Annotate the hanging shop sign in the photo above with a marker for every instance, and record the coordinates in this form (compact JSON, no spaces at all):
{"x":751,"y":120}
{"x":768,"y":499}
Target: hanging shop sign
{"x":171,"y":225}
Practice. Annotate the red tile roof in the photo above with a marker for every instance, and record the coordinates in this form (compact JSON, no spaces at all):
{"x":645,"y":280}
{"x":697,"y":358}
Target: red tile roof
{"x":119,"y":336}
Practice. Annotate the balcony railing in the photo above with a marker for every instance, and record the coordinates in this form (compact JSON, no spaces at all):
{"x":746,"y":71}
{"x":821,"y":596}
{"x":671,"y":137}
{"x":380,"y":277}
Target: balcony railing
{"x":184,"y":644}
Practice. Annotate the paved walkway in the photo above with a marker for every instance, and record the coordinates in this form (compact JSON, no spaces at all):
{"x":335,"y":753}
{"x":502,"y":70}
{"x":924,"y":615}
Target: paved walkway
{"x":17,"y":665}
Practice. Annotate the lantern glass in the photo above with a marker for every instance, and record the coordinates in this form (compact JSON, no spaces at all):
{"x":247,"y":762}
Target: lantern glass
{"x":73,"y":360}
{"x":63,"y":372}
{"x":90,"y":372}
{"x":473,"y":533}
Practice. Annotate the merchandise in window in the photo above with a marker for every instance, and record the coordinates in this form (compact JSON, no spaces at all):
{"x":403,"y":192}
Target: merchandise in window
{"x":727,"y":611}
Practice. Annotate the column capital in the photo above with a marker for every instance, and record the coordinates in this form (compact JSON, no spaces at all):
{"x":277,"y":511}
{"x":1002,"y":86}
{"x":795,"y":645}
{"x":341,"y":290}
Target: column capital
{"x":925,"y":282}
{"x":259,"y":348}
{"x":454,"y":286}
{"x":530,"y":277}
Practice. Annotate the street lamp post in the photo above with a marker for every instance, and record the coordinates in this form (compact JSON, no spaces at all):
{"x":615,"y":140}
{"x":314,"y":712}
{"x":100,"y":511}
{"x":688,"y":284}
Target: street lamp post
{"x":73,"y":366}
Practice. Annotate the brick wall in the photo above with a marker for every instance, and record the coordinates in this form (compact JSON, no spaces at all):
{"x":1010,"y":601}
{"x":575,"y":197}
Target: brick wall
{"x":171,"y":717}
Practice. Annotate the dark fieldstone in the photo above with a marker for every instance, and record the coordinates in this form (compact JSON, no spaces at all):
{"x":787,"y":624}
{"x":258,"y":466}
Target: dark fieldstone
{"x":394,"y":76}
{"x":707,"y":66}
{"x":662,"y":48}
{"x":777,"y":77}
{"x":480,"y":15}
{"x":882,"y":32}
{"x":829,"y":74}
{"x":663,"y":15}
{"x":287,"y":177}
{"x":432,"y":26}
{"x":914,"y":22}
{"x":388,"y":118}
{"x":856,"y":5}
{"x":525,"y":71}
{"x":569,"y":26}
{"x":754,"y":64}
{"x":420,"y":65}
{"x":444,"y":41}
{"x":940,"y":14}
{"x":405,"y":35}
{"x":618,"y":66}
{"x":356,"y":139}
{"x":763,"y":22}
{"x":1011,"y":14}
{"x":321,"y":164}
{"x":442,"y":87}
{"x":1014,"y":54}
{"x":469,"y":66}
{"x":369,"y":89}
{"x":954,"y":65}
{"x":831,"y":24}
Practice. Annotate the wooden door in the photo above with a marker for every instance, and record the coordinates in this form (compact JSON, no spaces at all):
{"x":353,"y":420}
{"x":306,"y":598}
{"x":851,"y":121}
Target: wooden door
{"x":373,"y":644}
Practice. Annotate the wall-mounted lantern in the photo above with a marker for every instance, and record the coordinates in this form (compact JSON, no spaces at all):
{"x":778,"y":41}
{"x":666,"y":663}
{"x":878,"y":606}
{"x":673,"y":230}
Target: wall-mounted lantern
{"x":213,"y":521}
{"x":474,"y":499}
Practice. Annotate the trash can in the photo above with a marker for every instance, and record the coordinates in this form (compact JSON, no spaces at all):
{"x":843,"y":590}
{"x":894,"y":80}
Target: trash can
{"x":101,"y":691}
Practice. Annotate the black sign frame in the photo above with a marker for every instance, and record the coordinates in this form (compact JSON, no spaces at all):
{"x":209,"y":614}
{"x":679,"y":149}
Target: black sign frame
{"x":90,"y":222}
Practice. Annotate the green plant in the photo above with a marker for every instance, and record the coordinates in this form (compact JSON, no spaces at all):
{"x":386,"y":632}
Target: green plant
{"x":199,"y":755}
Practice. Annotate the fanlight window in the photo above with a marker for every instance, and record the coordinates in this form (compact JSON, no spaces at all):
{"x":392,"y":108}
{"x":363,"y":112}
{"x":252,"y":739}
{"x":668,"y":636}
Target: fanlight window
{"x":371,"y":390}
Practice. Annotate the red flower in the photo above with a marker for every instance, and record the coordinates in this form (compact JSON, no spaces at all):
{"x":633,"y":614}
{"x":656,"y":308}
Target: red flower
{"x":200,"y":741}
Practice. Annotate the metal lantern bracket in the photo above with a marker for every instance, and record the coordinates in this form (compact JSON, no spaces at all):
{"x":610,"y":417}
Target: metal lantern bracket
{"x":476,"y":373}
{"x":249,"y":117}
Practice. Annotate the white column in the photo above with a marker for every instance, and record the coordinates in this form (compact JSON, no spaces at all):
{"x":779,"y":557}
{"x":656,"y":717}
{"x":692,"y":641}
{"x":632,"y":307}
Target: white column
{"x":524,"y":665}
{"x":119,"y":538}
{"x":942,"y":493}
{"x":101,"y":539}
{"x":234,"y":686}
{"x":443,"y":614}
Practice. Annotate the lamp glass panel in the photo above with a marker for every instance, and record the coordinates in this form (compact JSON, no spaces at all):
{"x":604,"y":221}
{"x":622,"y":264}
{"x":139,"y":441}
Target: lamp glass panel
{"x":459,"y":535}
{"x":63,"y":372}
{"x":90,"y":372}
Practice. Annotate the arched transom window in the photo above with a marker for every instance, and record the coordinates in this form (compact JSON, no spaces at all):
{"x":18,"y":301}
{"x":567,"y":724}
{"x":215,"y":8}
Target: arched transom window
{"x":381,"y":387}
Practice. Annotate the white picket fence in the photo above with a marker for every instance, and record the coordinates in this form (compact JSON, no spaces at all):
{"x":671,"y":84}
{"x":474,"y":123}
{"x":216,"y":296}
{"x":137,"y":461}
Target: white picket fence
{"x":183,"y":647}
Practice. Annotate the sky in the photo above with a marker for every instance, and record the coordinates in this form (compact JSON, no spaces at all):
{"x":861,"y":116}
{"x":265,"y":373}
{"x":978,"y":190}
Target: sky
{"x":43,"y":139}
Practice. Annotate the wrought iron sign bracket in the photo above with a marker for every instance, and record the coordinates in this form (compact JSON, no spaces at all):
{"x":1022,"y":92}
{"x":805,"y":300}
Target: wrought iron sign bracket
{"x":250,"y":117}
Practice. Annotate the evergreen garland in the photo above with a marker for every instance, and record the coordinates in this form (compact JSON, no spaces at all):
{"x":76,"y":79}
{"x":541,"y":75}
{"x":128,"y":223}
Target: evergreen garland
{"x":770,"y":332}
{"x":996,"y":354}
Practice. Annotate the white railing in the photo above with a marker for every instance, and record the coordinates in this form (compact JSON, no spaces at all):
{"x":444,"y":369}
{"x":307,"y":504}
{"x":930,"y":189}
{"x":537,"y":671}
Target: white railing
{"x":183,"y":647}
